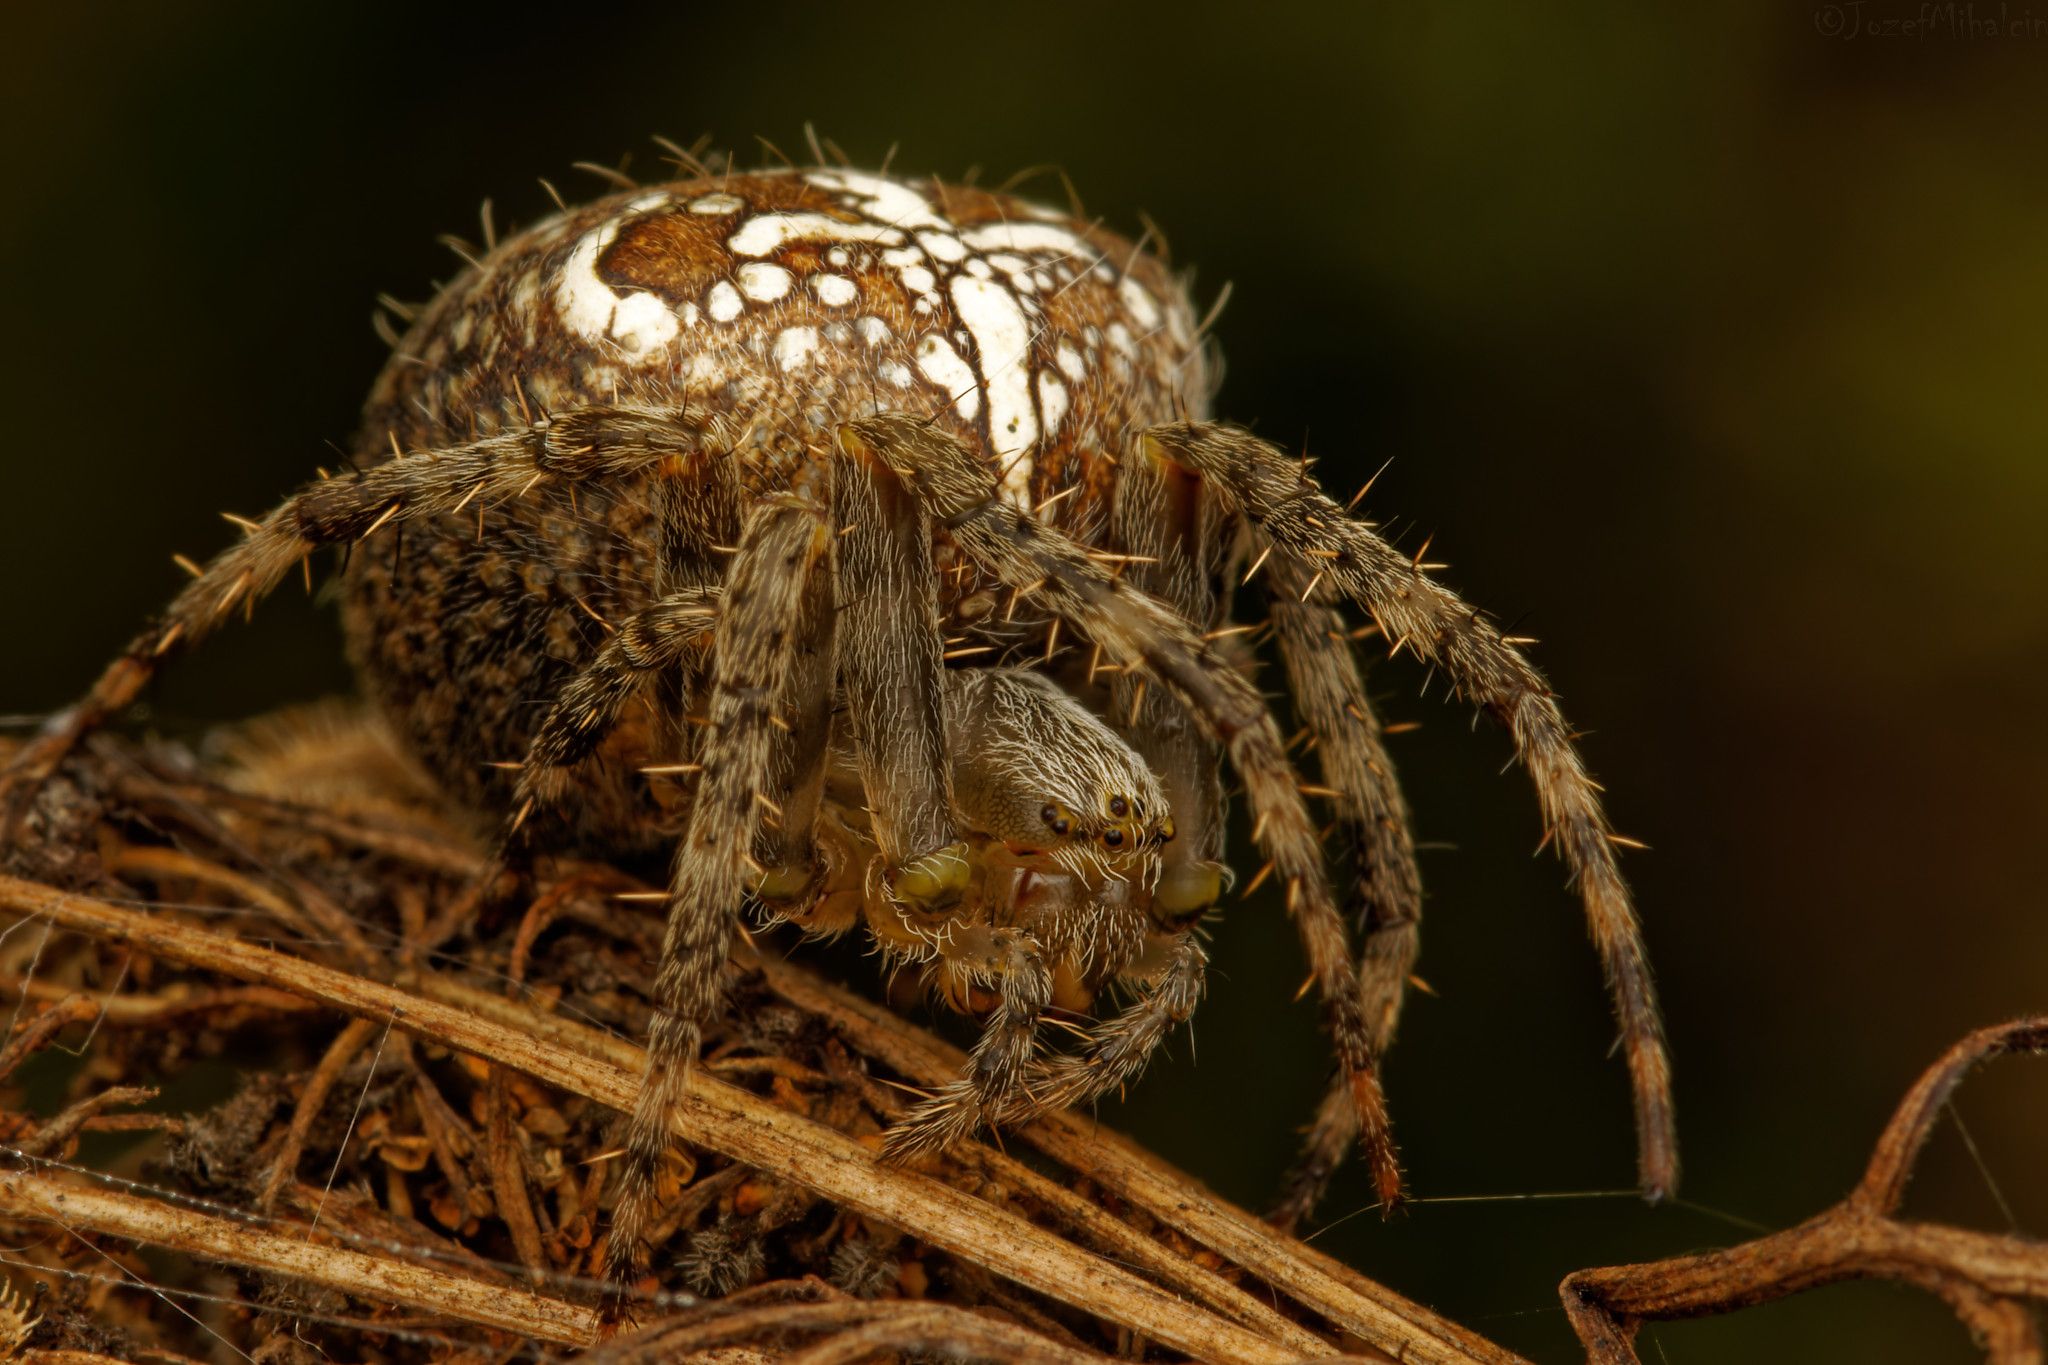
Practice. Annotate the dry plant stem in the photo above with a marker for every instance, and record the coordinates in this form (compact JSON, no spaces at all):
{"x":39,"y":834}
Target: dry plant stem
{"x":143,"y":1011}
{"x":1388,"y":1322}
{"x":354,"y":1036}
{"x":1119,"y":1240}
{"x":1984,"y":1278}
{"x":36,"y":1357}
{"x":40,"y":1198}
{"x":331,"y":920}
{"x":51,"y":1137}
{"x":857,"y":1329}
{"x":710,"y":1113}
{"x":428,"y":855}
{"x":508,"y":1175}
{"x":164,"y":862}
{"x":71,"y":1008}
{"x":1377,"y":1315}
{"x":1112,"y":1237}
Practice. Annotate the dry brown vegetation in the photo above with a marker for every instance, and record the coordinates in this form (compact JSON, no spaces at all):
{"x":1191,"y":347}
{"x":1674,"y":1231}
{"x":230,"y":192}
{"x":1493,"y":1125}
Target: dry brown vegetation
{"x":398,"y":1080}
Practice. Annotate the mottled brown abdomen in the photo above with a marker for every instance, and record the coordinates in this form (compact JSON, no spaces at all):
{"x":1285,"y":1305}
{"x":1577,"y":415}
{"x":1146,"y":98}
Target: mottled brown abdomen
{"x":783,"y":304}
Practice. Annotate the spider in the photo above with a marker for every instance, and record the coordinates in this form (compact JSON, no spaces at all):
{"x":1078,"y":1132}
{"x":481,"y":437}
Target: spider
{"x":816,"y":460}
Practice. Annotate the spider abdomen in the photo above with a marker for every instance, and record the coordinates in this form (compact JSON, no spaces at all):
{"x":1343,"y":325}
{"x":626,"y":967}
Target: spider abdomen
{"x":780,"y":304}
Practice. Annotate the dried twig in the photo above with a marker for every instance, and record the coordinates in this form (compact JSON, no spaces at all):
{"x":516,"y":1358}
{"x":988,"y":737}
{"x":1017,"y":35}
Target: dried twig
{"x":1984,"y":1278}
{"x":851,"y":1329}
{"x":40,"y":1197}
{"x":354,"y":1037}
{"x":1400,"y":1327}
{"x":714,"y":1115}
{"x":507,"y":1006}
{"x":71,"y":1008}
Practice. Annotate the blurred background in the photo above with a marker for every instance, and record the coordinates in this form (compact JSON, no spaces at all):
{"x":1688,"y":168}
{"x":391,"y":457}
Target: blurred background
{"x":1709,"y":343}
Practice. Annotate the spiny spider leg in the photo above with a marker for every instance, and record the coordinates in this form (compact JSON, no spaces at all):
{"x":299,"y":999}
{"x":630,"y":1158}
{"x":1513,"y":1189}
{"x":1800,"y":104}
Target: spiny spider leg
{"x":674,"y":631}
{"x":1385,"y":896}
{"x":1159,"y":517}
{"x":588,"y":707}
{"x":586,"y":444}
{"x":781,"y":547}
{"x":802,"y":750}
{"x":1116,"y":1050}
{"x":892,"y":667}
{"x":998,"y":1067}
{"x":1291,"y":513}
{"x":1135,"y":629}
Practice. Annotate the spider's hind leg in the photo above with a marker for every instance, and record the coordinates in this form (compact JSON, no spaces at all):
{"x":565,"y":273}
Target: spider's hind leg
{"x":1292,"y":515}
{"x":1384,"y":897}
{"x":589,"y":705}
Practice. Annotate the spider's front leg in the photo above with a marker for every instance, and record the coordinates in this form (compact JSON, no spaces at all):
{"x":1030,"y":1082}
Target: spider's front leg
{"x":782,"y":548}
{"x":892,"y":668}
{"x":1319,"y":540}
{"x":583,"y":445}
{"x":1159,"y":518}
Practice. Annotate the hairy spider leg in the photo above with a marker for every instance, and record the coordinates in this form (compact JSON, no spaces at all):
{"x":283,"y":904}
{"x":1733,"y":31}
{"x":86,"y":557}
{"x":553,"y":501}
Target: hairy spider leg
{"x":1160,"y":519}
{"x":1137,"y":630}
{"x":1290,"y":512}
{"x":893,"y":668}
{"x":893,"y":671}
{"x":654,"y":639}
{"x":1014,"y":965}
{"x":802,"y":750}
{"x":754,"y":650}
{"x":1114,"y":1051}
{"x":1384,"y":898}
{"x":581,"y":446}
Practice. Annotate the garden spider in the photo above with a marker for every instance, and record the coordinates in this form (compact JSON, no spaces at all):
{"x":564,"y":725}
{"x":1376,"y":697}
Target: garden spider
{"x":786,"y":451}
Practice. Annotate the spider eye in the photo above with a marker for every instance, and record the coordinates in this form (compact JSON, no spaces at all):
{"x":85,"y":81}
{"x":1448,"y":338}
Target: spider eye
{"x":1056,"y":820}
{"x":1113,"y":837}
{"x":1049,"y":814}
{"x":1119,"y":807}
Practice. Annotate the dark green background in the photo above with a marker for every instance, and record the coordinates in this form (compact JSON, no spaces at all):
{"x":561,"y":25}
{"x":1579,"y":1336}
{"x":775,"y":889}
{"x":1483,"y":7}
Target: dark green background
{"x":1710,"y":347}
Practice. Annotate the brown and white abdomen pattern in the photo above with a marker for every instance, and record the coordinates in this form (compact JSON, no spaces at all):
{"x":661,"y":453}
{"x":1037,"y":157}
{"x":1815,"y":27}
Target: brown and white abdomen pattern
{"x":789,"y":302}
{"x":783,"y":304}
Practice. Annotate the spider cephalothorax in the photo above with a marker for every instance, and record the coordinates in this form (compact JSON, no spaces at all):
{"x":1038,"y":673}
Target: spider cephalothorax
{"x":817,"y":459}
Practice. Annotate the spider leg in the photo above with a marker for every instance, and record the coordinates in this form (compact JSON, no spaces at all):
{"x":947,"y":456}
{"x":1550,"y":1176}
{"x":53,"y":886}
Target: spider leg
{"x":802,"y":751}
{"x":1015,"y":964}
{"x":1298,"y":520}
{"x":587,"y":709}
{"x":1159,"y":517}
{"x":1385,"y":895}
{"x":1138,"y":630}
{"x":662,"y":637}
{"x":780,"y":550}
{"x":893,"y":671}
{"x":578,"y":446}
{"x":1117,"y":1049}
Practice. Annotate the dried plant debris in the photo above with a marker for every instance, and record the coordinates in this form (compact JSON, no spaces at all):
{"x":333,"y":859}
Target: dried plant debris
{"x":294,"y":1073}
{"x":1991,"y":1281}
